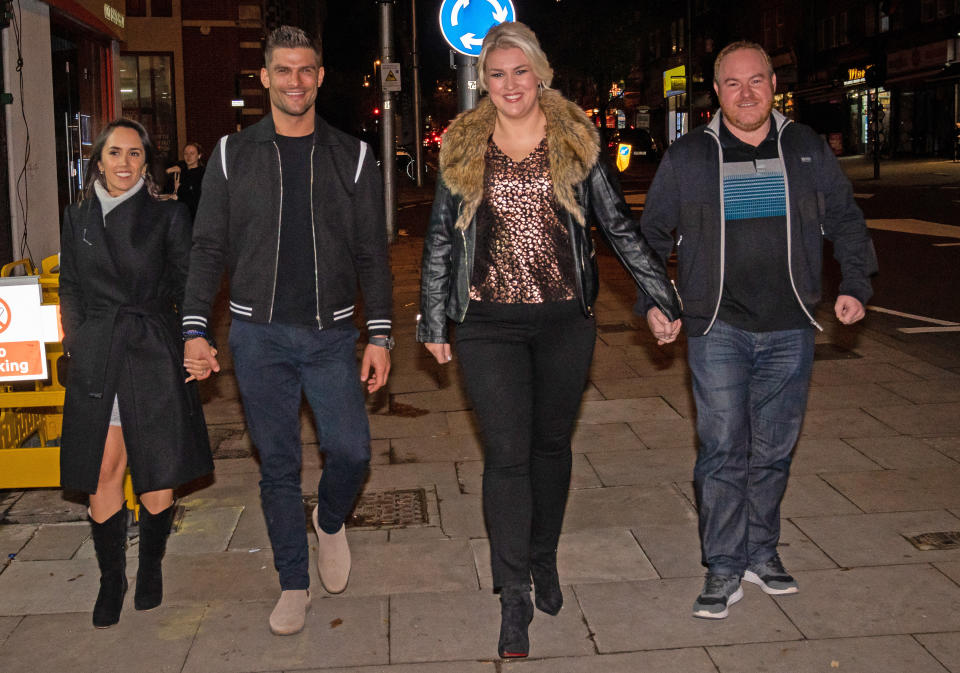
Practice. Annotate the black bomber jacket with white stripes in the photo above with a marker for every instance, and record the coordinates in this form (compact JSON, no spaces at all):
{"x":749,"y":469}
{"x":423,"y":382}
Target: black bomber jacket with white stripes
{"x":238,"y":228}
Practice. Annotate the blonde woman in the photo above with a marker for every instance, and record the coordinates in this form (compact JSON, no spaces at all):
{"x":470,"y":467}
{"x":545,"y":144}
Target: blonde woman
{"x":508,"y":257}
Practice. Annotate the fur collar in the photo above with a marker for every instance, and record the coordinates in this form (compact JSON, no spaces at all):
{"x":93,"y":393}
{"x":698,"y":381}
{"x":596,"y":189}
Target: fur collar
{"x":572,"y":142}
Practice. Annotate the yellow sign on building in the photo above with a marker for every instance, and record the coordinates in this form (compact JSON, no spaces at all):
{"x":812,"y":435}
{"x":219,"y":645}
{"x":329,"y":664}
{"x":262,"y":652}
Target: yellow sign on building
{"x":674,"y":81}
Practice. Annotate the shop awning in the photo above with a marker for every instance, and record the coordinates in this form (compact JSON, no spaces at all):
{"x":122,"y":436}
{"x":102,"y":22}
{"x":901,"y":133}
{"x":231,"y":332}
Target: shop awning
{"x":99,"y":16}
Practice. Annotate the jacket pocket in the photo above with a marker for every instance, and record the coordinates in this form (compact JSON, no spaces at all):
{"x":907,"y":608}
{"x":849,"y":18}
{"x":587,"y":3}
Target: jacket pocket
{"x":693,"y":252}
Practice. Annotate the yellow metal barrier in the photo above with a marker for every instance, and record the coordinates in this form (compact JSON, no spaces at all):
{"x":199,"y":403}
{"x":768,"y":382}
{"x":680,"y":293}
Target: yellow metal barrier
{"x":36,"y":408}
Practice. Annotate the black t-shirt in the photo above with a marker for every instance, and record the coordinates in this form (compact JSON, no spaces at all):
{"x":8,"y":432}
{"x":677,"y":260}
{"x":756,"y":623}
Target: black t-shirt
{"x":189,"y":190}
{"x":295,"y":298}
{"x":757,"y":293}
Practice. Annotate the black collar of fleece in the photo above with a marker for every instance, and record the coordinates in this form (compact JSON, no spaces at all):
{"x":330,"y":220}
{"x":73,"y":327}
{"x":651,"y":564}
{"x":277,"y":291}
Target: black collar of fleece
{"x":572,"y":143}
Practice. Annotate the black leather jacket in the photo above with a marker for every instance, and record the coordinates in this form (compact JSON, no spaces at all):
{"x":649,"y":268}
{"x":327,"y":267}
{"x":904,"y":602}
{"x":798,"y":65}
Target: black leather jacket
{"x":448,"y":254}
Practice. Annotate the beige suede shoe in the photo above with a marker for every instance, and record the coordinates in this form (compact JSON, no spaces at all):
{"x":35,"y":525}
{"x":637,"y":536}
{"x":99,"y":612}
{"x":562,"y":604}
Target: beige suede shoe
{"x":290,"y":612}
{"x":333,"y":557}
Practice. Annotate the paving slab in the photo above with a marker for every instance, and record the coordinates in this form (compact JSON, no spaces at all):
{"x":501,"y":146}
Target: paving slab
{"x":411,"y":567}
{"x":920,"y":420}
{"x":55,"y":542}
{"x":13,"y":539}
{"x":438,"y":667}
{"x":46,"y":587}
{"x":949,"y":568}
{"x":46,"y":505}
{"x":448,"y":626}
{"x":898,"y":490}
{"x":592,"y":437}
{"x":462,"y":516}
{"x":944,"y":646}
{"x":675,"y":391}
{"x":625,"y":411}
{"x":844,"y":423}
{"x":192,"y":579}
{"x":656,"y":614}
{"x":926,"y":370}
{"x":412,"y":382}
{"x":7,"y":625}
{"x":384,"y":426}
{"x":948,"y":446}
{"x":625,"y":507}
{"x":600,"y":555}
{"x":225,"y":490}
{"x":448,"y":399}
{"x":883,"y":600}
{"x":460,"y":423}
{"x":902,"y":453}
{"x":883,"y":654}
{"x":235,"y":637}
{"x":643,"y":466}
{"x":443,"y":476}
{"x":205,"y":529}
{"x":583,"y":475}
{"x":68,"y":642}
{"x":691,"y":660}
{"x":927,"y":391}
{"x":845,"y":372}
{"x":659,"y":434}
{"x":879,"y":539}
{"x":810,"y":495}
{"x":251,"y":530}
{"x":813,"y":456}
{"x":852,"y":396}
{"x":245,"y":465}
{"x":673,"y":549}
{"x":799,"y":552}
{"x":436,"y":449}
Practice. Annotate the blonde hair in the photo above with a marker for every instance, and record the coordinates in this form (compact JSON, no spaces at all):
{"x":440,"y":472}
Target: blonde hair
{"x":510,"y":35}
{"x":737,"y":46}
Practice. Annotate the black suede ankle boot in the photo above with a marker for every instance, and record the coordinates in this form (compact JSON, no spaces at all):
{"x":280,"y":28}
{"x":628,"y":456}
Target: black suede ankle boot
{"x":154,"y":529}
{"x":110,"y":543}
{"x":546,"y":585}
{"x":516,"y":613}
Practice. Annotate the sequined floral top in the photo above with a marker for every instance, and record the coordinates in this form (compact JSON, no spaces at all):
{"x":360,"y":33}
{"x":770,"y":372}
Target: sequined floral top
{"x":523,"y":252}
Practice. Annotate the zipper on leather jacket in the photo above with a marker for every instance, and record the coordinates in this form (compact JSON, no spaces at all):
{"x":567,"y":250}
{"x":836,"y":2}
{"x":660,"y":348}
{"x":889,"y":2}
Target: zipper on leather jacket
{"x":463,"y":237}
{"x":313,"y":229}
{"x":276,"y":259}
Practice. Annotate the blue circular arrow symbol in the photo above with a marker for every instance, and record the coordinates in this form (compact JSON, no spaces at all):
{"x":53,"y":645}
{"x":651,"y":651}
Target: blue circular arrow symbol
{"x":464,"y":23}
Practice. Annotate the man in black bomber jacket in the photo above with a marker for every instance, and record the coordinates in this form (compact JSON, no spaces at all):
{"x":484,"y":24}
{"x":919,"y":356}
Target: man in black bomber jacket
{"x":293,"y":209}
{"x":751,"y":197}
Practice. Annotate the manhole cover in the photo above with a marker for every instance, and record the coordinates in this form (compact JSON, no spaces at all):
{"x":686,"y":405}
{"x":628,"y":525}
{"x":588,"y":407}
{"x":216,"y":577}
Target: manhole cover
{"x":936,"y":541}
{"x":401,"y":508}
{"x":833,"y":352}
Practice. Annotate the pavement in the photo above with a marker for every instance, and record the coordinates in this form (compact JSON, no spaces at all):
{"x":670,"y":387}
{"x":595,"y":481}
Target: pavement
{"x":878,"y":462}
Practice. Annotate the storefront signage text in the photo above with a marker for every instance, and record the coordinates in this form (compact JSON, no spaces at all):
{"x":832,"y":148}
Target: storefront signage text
{"x":113,"y":15}
{"x":855,"y":76}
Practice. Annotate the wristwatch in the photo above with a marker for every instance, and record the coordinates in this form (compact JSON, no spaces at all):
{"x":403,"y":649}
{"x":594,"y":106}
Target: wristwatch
{"x":383,"y":341}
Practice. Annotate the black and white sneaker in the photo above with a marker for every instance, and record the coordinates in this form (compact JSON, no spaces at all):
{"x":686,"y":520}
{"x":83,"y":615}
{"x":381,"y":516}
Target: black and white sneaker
{"x":772,"y":577}
{"x":719,"y":592}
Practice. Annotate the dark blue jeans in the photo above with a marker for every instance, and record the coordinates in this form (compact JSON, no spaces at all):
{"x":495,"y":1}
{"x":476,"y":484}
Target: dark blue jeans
{"x":275,"y":365}
{"x":751,"y":394}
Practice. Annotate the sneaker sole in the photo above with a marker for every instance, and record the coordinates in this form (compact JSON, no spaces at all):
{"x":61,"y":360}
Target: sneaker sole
{"x":734,"y":598}
{"x":754,"y":578}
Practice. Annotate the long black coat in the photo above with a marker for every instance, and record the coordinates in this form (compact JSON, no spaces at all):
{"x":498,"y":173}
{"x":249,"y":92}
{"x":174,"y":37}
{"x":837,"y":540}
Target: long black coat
{"x":119,"y":288}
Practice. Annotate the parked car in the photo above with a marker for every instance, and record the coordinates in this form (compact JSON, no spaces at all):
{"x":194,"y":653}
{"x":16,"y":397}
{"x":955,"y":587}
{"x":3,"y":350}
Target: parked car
{"x":642,"y":146}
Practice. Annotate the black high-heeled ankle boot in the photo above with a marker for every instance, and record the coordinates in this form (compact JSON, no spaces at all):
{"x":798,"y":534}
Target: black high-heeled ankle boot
{"x":110,"y":543}
{"x":546,"y":585}
{"x":516,"y":613}
{"x":154,"y":530}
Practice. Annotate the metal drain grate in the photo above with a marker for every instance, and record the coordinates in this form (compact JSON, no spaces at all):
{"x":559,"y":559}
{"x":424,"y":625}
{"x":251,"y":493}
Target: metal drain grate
{"x":936,"y":541}
{"x":402,"y":508}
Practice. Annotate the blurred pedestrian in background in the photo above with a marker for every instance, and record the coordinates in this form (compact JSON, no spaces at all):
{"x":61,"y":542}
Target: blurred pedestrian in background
{"x":123,"y":265}
{"x":508,"y":256}
{"x":188,"y":177}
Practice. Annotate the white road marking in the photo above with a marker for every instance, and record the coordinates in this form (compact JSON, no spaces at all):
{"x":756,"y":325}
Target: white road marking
{"x":912,"y":316}
{"x":927,"y":330}
{"x":921,"y":227}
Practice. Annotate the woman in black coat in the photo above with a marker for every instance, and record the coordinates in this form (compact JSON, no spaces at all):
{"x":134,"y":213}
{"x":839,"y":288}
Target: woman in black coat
{"x":123,"y":265}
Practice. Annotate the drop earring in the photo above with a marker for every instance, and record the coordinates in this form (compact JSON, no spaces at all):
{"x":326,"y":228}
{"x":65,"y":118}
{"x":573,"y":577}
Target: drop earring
{"x":540,"y":90}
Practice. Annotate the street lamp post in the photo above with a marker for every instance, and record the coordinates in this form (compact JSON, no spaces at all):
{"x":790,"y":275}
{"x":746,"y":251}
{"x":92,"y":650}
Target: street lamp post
{"x":388,"y":151}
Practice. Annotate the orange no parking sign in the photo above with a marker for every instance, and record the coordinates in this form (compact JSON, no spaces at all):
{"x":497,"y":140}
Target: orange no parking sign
{"x":21,"y":358}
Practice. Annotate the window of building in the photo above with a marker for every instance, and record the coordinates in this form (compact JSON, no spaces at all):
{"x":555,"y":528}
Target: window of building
{"x":928,"y":10}
{"x":146,"y":95}
{"x":161,"y":7}
{"x":136,"y":8}
{"x":842,"y":35}
{"x":780,"y":37}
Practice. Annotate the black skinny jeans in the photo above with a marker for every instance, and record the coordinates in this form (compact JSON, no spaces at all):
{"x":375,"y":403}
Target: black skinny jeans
{"x":525,"y":367}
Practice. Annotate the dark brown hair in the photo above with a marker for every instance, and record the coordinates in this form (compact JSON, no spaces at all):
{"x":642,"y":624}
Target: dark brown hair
{"x":93,"y":174}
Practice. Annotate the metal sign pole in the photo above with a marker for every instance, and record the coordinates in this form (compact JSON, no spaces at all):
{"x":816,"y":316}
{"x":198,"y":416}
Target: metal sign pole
{"x":467,"y":95}
{"x":388,"y":151}
{"x":417,"y":120}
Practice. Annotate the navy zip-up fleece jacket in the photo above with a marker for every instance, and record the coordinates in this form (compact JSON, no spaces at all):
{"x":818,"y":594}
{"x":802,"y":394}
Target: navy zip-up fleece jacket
{"x":686,"y":197}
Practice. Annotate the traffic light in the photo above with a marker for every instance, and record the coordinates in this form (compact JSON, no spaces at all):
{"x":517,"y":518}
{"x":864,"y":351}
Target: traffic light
{"x":6,"y":13}
{"x":376,"y":112}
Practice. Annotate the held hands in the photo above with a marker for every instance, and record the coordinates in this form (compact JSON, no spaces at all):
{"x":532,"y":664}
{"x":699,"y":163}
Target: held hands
{"x":378,"y":358}
{"x":848,"y":309}
{"x":440,"y":352}
{"x":199,"y":359}
{"x":663,"y":329}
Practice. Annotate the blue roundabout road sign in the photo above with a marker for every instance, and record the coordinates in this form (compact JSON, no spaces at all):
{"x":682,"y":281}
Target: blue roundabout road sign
{"x":465,"y":22}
